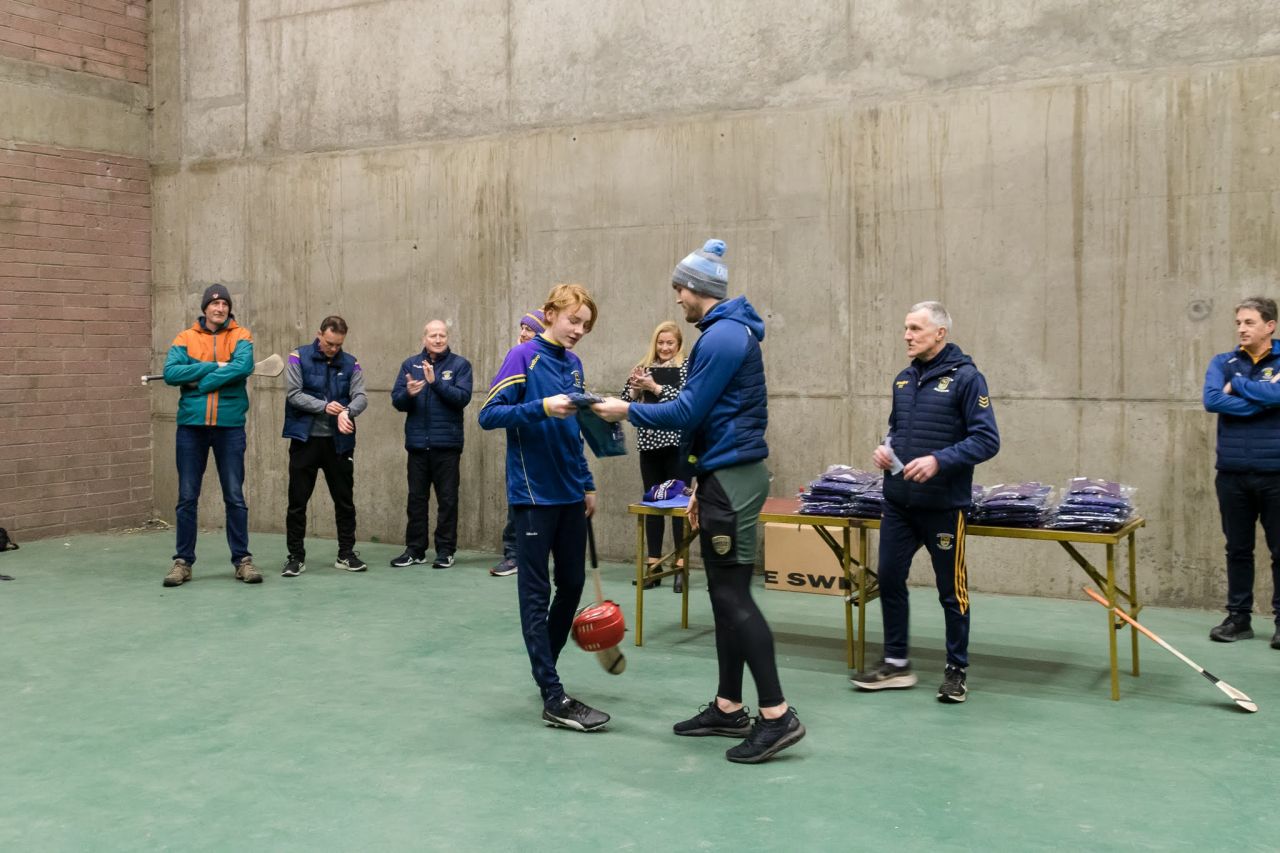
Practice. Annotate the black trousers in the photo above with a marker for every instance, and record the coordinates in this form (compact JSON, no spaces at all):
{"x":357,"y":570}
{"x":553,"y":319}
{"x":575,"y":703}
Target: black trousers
{"x":658,"y":466}
{"x":306,"y":459}
{"x":436,"y":469}
{"x":1244,"y":500}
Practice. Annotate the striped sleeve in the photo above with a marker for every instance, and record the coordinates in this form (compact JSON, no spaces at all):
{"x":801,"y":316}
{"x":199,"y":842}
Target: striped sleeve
{"x":506,"y":405}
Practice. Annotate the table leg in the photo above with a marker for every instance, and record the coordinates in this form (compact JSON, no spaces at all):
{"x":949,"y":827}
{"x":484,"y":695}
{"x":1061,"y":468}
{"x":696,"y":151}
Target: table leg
{"x":861,"y":651}
{"x":640,"y":580}
{"x":1111,"y":622}
{"x":848,"y":605}
{"x":684,"y":590}
{"x":1133,"y":600}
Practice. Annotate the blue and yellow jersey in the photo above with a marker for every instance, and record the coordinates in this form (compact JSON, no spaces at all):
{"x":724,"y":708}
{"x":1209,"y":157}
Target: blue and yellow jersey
{"x":545,"y":460}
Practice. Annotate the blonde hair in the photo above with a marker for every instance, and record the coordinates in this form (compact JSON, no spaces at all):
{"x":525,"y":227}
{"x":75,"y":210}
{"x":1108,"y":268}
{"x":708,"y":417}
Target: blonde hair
{"x":651,"y":357}
{"x":566,"y":297}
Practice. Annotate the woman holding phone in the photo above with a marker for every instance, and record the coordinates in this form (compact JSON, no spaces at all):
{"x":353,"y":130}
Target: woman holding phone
{"x":658,"y":377}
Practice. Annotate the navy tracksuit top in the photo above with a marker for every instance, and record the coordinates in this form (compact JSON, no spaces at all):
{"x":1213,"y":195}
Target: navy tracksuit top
{"x":1248,"y":417}
{"x":941,"y":407}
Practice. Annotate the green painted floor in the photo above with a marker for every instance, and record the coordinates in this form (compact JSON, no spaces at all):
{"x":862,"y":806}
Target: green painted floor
{"x":394,"y":711}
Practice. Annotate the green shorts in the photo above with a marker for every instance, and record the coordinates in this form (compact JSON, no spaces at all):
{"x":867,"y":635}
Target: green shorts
{"x":729,"y":502}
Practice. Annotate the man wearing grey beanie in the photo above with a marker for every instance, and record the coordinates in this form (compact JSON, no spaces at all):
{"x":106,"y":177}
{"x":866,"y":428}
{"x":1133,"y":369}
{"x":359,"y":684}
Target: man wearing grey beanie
{"x":723,"y":407}
{"x":210,"y":362}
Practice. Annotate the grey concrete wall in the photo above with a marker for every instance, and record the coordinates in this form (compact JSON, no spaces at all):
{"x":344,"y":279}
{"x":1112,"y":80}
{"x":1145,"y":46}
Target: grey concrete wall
{"x":1089,"y":191}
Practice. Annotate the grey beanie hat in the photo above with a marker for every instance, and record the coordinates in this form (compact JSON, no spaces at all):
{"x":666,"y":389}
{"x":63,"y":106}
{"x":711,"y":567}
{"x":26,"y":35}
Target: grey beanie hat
{"x":704,"y":271}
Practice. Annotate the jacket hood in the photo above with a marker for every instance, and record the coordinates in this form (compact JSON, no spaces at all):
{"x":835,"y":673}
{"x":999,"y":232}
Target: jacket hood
{"x":737,"y":308}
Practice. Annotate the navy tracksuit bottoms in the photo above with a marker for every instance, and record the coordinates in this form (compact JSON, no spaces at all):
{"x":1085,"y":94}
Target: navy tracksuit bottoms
{"x":902,"y":531}
{"x":544,"y":533}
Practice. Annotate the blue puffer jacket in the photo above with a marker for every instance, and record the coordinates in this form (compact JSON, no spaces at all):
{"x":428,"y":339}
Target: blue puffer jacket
{"x":941,"y":407}
{"x":433,"y":419}
{"x":1248,"y":417}
{"x":724,"y":405}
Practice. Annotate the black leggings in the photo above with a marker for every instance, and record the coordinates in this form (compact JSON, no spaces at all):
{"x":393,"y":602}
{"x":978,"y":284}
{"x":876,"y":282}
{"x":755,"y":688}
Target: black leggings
{"x":742,"y":636}
{"x":658,"y":466}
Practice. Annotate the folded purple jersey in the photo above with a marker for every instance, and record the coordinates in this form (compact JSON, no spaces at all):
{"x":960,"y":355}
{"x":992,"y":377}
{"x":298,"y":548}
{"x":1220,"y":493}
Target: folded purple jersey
{"x":667,"y":489}
{"x":1087,"y":486}
{"x":836,"y":487}
{"x":1006,"y":492}
{"x":845,"y":474}
{"x":669,"y":503}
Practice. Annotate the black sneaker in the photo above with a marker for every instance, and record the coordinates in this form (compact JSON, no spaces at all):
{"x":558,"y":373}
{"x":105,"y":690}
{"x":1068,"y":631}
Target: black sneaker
{"x":408,"y":558}
{"x":885,"y":676}
{"x":569,"y":713}
{"x":351,"y":563}
{"x":953,"y":688}
{"x":768,"y":738}
{"x":1275,"y":638}
{"x":710,"y":720}
{"x":505,"y":568}
{"x":442,"y":562}
{"x":293,"y":567}
{"x":1237,"y":626}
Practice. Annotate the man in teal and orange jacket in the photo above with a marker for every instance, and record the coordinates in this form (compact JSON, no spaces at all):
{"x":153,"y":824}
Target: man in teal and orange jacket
{"x":210,"y":362}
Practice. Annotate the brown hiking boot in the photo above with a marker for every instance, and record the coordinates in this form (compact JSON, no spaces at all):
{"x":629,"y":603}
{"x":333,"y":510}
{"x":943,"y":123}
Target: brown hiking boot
{"x":179,"y":574}
{"x":248,"y":572}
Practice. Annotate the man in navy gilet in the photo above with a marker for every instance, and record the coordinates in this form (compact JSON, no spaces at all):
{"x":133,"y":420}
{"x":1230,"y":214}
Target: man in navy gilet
{"x":941,"y":426}
{"x":1240,"y":386}
{"x":325,"y":394}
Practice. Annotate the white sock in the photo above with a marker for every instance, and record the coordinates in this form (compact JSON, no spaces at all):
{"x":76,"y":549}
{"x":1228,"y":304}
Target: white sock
{"x":897,"y":661}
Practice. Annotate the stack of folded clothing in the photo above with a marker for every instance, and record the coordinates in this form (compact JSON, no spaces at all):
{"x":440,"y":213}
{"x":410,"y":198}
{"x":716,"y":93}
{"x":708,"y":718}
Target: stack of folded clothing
{"x":1012,"y":505}
{"x":845,"y":492}
{"x":1096,"y":506}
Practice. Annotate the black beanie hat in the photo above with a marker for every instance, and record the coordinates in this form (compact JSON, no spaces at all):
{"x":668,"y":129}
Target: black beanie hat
{"x":212,"y":292}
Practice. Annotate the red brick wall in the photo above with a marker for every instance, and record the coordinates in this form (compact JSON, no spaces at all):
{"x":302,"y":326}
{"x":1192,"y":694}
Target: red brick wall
{"x":104,"y":37}
{"x":75,"y":335}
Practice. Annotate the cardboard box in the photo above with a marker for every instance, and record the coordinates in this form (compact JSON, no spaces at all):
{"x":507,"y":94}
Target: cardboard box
{"x":797,"y":560}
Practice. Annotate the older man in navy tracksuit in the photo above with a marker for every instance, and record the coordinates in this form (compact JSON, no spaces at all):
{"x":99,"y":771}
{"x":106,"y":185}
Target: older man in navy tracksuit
{"x":941,"y":426}
{"x":1241,"y":387}
{"x":432,"y":388}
